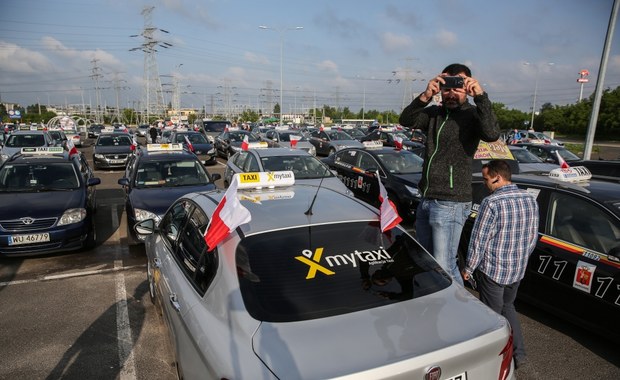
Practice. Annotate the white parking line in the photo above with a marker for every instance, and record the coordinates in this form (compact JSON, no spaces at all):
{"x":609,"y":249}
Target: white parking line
{"x":123,"y":329}
{"x":70,"y":275}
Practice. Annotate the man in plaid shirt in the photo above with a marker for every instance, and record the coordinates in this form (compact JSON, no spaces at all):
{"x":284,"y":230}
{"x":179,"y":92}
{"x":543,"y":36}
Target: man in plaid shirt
{"x":503,"y":237}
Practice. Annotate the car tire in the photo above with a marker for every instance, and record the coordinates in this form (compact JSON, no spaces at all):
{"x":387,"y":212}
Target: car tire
{"x":91,"y":238}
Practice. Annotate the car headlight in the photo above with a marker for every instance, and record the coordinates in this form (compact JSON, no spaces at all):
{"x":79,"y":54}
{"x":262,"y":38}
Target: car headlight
{"x":99,"y":156}
{"x":144,"y":215}
{"x":72,"y":215}
{"x":414,"y":191}
{"x":211,"y":152}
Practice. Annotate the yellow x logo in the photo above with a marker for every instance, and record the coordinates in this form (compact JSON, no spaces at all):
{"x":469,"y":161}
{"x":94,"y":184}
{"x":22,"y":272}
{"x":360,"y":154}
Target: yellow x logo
{"x":314,"y":264}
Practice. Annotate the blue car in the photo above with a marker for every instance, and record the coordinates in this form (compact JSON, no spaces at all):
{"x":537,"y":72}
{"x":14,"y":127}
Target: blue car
{"x":155,"y":177}
{"x":47,"y":201}
{"x":198,"y":145}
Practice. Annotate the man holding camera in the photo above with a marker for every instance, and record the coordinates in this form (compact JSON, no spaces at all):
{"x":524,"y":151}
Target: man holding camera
{"x":454,"y":129}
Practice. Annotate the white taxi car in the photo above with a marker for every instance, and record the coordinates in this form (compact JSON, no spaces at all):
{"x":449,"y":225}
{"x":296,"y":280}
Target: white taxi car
{"x":310,"y":288}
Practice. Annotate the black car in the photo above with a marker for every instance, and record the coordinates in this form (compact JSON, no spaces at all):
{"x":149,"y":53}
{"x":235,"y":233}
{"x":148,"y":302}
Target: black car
{"x":230,"y":142}
{"x":549,"y":153}
{"x":198,"y":144}
{"x":574,"y":271}
{"x":47,"y":202}
{"x":94,"y":130}
{"x":112,"y":150}
{"x":399,"y":170}
{"x":389,"y":136}
{"x":59,"y":137}
{"x":328,"y":141}
{"x":156,"y":176}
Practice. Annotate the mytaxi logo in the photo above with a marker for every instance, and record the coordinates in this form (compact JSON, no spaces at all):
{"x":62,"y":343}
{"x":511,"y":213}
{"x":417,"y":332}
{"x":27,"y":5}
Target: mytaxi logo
{"x":274,"y":176}
{"x":312,"y":260}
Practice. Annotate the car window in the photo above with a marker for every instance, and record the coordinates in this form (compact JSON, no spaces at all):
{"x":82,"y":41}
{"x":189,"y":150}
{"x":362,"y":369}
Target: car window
{"x":173,"y":221}
{"x":575,"y":220}
{"x":251,"y":164}
{"x":347,"y":157}
{"x":197,"y":264}
{"x":366,"y":161}
{"x":39,"y":177}
{"x":401,"y":163}
{"x":26,"y":141}
{"x":302,"y":279}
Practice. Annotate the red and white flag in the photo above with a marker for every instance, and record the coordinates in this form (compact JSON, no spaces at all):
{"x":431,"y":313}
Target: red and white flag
{"x":389,"y":217}
{"x":189,"y":144}
{"x":398,"y":142}
{"x":71,"y":147}
{"x":245,"y":145}
{"x":563,"y":163}
{"x":294,"y":140}
{"x":134,"y":144}
{"x":228,"y":215}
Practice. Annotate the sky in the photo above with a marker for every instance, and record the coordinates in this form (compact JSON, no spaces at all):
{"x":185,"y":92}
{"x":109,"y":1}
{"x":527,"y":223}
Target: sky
{"x":375,"y":55}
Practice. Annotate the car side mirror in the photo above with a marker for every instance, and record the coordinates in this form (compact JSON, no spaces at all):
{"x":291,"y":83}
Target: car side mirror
{"x":93,"y":181}
{"x":145,"y":227}
{"x":215,"y":176}
{"x":123,"y":181}
{"x":614,"y":254}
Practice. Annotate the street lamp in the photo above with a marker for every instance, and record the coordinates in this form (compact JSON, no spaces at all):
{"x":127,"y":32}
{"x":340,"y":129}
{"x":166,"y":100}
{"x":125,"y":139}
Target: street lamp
{"x":281,"y":31}
{"x":535,"y":90}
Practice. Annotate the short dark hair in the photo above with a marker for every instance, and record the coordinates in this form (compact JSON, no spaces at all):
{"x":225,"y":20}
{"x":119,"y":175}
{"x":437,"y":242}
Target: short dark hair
{"x":457,"y":68}
{"x":499,"y":167}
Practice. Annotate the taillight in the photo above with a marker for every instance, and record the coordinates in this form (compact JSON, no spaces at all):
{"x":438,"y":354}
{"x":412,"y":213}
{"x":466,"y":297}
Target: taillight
{"x":506,"y":355}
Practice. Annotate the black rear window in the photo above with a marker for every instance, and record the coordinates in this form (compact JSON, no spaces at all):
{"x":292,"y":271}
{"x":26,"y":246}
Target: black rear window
{"x":216,"y":126}
{"x":321,"y":271}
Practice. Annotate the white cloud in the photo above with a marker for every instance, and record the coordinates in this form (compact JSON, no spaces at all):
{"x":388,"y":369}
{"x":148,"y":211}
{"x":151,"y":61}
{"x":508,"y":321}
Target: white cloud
{"x":17,"y":60}
{"x":328,"y":65}
{"x":391,"y":42}
{"x":74,"y":57}
{"x":446,"y":38}
{"x":255,"y":58}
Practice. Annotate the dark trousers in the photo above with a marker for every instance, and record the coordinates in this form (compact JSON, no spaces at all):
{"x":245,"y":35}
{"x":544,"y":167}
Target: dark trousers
{"x":501,"y":298}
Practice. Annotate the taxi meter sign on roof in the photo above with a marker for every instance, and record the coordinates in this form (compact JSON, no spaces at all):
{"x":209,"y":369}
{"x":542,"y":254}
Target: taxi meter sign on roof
{"x":257,"y":180}
{"x":43,"y":150}
{"x":164,"y":147}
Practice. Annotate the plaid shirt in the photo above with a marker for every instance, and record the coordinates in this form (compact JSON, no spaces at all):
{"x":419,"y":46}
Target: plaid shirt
{"x":504,"y":235}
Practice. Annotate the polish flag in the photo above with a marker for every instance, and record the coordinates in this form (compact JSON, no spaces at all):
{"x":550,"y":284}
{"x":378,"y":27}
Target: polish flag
{"x":71,"y":147}
{"x":294,"y":140}
{"x":229,"y":214}
{"x":389,"y":216}
{"x":245,"y":145}
{"x":563,"y":163}
{"x":134,"y":144}
{"x":189,"y":144}
{"x":398,"y":143}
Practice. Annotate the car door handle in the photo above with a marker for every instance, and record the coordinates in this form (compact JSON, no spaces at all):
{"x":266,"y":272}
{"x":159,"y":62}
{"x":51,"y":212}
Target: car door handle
{"x":175,"y":302}
{"x":156,"y":262}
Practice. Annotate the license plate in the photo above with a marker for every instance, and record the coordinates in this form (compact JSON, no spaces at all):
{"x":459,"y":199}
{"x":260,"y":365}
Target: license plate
{"x":117,"y":161}
{"x":28,"y":239}
{"x":461,"y":376}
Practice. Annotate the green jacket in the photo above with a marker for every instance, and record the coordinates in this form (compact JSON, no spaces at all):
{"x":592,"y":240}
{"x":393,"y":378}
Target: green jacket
{"x":452,"y":137}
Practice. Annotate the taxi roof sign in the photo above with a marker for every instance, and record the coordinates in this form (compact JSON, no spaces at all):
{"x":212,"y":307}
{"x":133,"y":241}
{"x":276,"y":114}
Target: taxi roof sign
{"x":572,"y":174}
{"x":43,"y":150}
{"x":373,"y":144}
{"x":164,"y":147}
{"x":259,"y":180}
{"x":258,"y":145}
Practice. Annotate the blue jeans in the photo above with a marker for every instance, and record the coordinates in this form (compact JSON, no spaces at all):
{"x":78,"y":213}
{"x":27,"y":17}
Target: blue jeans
{"x":438,"y":228}
{"x":501,"y":299}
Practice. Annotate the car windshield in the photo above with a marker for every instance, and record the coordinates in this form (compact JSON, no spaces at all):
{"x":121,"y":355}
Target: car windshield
{"x":327,"y":270}
{"x":170,"y":174}
{"x":339,"y":135}
{"x":401,"y":162}
{"x":38,"y":177}
{"x":25,"y":141}
{"x":304,"y":167}
{"x":355,"y":132}
{"x":524,"y":156}
{"x":114,"y":141}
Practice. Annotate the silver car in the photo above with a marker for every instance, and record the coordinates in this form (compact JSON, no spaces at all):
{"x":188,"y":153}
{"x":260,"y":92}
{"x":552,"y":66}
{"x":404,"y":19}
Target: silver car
{"x":311,"y":288}
{"x":285,"y":138}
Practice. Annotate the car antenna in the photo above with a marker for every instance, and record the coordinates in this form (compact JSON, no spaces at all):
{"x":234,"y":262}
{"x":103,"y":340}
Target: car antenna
{"x":309,"y":211}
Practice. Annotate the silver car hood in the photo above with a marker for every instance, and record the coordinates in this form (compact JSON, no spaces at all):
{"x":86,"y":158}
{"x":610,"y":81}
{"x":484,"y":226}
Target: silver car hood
{"x":397,"y":341}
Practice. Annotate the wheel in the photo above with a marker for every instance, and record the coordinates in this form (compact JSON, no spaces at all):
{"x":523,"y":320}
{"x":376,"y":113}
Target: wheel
{"x":91,"y":238}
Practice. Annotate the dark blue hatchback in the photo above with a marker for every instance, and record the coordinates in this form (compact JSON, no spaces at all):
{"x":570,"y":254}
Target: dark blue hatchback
{"x":47,"y":201}
{"x":156,"y":176}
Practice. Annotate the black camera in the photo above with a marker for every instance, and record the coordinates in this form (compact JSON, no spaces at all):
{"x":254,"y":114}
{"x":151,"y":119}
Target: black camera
{"x":453,"y":82}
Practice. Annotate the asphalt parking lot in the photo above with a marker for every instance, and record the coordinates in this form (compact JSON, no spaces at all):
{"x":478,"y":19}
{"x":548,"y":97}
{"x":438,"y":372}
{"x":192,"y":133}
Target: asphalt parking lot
{"x":87,"y":315}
